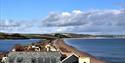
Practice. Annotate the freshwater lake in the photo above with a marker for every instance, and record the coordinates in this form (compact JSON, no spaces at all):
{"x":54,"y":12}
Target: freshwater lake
{"x":111,"y":50}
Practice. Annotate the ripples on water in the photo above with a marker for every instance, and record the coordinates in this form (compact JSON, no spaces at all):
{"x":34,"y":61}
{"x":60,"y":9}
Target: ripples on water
{"x":111,"y":50}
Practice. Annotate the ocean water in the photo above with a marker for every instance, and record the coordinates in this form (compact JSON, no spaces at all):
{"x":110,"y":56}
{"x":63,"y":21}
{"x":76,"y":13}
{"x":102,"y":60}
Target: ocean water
{"x":7,"y":45}
{"x":110,"y":50}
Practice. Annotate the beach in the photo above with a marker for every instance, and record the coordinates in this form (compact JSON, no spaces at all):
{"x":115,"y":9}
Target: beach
{"x":67,"y":50}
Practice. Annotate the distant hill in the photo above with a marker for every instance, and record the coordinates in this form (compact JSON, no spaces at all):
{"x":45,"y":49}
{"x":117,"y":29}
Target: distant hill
{"x":54,"y":36}
{"x":25,"y":36}
{"x":12,"y":36}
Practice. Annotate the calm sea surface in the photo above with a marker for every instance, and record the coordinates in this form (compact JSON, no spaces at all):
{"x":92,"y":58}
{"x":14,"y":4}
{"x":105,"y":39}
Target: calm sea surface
{"x":6,"y":45}
{"x":111,"y":50}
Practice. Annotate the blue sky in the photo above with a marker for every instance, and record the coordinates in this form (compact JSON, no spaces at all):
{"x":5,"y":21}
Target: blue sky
{"x":50,"y":16}
{"x":37,"y":9}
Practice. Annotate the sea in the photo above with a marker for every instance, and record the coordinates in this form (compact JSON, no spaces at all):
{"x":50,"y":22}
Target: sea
{"x":7,"y":45}
{"x":110,"y":50}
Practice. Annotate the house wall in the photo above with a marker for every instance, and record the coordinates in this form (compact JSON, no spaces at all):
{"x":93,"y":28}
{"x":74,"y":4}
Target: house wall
{"x":84,"y":59}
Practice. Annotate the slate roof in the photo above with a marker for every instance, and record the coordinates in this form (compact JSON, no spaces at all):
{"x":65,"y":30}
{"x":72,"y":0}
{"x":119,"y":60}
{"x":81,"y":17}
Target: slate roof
{"x":34,"y":57}
{"x":71,"y":59}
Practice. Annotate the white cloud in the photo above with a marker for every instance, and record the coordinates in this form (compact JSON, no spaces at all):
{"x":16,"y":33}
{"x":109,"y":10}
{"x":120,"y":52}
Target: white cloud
{"x":101,"y":21}
{"x":91,"y":21}
{"x":77,"y":11}
{"x":65,"y":14}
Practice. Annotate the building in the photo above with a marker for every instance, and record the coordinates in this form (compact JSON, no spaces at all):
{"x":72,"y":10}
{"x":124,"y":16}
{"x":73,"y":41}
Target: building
{"x":73,"y":58}
{"x":84,"y":59}
{"x":33,"y":57}
{"x":43,"y":57}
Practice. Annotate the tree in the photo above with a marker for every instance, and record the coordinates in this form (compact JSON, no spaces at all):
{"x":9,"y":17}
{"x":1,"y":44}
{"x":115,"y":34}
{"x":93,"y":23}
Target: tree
{"x":18,"y":47}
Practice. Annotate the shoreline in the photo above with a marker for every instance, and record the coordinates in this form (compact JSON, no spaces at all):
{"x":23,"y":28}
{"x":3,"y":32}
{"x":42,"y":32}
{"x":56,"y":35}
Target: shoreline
{"x":60,"y":43}
{"x":68,"y":50}
{"x":66,"y":38}
{"x":94,"y":38}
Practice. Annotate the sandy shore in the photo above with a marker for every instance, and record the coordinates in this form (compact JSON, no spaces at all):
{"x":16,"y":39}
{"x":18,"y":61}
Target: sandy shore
{"x":67,"y":50}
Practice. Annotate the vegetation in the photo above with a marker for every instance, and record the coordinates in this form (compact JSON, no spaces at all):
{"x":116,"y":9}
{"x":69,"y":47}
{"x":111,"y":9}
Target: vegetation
{"x":12,"y":36}
{"x":25,"y":36}
{"x":54,"y":36}
{"x":58,"y":35}
{"x":18,"y":47}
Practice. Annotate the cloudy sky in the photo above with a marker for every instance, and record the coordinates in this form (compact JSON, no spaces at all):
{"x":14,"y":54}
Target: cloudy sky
{"x":72,"y":16}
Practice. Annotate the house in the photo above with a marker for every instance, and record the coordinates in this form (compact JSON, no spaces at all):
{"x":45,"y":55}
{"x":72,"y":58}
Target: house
{"x":84,"y":59}
{"x":4,"y":59}
{"x":34,"y":57}
{"x":73,"y":58}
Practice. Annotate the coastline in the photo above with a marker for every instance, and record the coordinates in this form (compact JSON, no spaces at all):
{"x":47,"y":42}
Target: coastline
{"x":68,"y":50}
{"x":59,"y":43}
{"x":95,"y":38}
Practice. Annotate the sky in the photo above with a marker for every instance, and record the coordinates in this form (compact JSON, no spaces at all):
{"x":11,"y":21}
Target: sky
{"x":51,"y":16}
